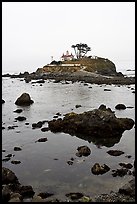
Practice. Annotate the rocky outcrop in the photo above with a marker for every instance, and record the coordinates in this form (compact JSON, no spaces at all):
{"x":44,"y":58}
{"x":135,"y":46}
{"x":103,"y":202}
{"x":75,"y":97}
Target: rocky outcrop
{"x":24,"y":100}
{"x":8,"y":176}
{"x":12,"y":190}
{"x":100,"y":123}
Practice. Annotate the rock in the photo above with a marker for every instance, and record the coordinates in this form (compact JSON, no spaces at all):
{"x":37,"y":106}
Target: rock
{"x":27,"y":79}
{"x":120,"y":106}
{"x":9,"y":155}
{"x":99,"y":169}
{"x":18,"y":110}
{"x":37,"y":125}
{"x":96,"y":123}
{"x":78,"y":106}
{"x":42,"y":139}
{"x":6,"y":159}
{"x":24,"y":100}
{"x":70,"y":162}
{"x":115,"y":152}
{"x":12,"y":127}
{"x":17,"y":149}
{"x":3,"y":101}
{"x":26,"y":191}
{"x":120,"y":172}
{"x":128,"y":189}
{"x":83,"y":151}
{"x":6,"y":193}
{"x":44,"y":129}
{"x":126,"y":165}
{"x":8,"y":176}
{"x":20,"y":118}
{"x":15,"y":162}
{"x":107,"y":89}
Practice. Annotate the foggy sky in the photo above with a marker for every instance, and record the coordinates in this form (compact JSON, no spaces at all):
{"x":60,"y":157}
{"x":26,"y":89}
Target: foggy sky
{"x":32,"y":32}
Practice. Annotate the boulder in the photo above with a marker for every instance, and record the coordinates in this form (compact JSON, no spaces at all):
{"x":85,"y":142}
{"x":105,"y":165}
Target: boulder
{"x":24,"y":100}
{"x":99,"y":169}
{"x":26,"y":191}
{"x":83,"y":151}
{"x":120,"y":106}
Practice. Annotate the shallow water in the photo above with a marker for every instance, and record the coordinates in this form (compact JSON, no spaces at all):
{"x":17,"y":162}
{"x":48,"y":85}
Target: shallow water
{"x":44,"y":165}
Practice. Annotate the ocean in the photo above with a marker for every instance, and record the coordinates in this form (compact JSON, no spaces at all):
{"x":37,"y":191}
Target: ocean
{"x":44,"y":165}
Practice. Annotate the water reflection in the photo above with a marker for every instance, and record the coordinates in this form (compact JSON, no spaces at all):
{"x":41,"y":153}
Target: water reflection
{"x":107,"y":142}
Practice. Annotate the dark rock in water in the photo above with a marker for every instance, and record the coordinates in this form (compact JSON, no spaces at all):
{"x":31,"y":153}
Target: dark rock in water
{"x":70,"y":162}
{"x":119,"y":172}
{"x":8,"y":176}
{"x":77,"y":106}
{"x":9,"y":155}
{"x":44,"y":129}
{"x":107,"y":89}
{"x":115,"y":152}
{"x":127,"y":166}
{"x":120,"y":106}
{"x":18,"y":110}
{"x":42,"y":139}
{"x":3,"y":101}
{"x":83,"y":151}
{"x":37,"y":125}
{"x":12,"y":127}
{"x":6,"y":159}
{"x":96,"y":123}
{"x":15,"y":162}
{"x":24,"y":100}
{"x":20,"y":118}
{"x":99,"y":169}
{"x":17,"y":149}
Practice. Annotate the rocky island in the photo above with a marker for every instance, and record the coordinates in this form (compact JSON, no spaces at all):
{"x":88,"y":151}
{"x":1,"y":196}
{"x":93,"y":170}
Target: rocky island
{"x":87,"y":69}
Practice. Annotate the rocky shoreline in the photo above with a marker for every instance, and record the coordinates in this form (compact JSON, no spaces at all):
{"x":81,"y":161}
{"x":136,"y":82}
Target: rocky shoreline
{"x":13,"y":191}
{"x":82,"y":76}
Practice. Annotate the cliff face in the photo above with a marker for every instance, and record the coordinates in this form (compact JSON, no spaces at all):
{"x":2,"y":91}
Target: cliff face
{"x":99,"y":65}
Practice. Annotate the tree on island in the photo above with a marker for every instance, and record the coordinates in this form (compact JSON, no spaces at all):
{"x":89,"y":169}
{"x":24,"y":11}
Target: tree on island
{"x":81,"y":50}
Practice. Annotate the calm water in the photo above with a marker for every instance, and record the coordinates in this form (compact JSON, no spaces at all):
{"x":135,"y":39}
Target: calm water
{"x":44,"y":165}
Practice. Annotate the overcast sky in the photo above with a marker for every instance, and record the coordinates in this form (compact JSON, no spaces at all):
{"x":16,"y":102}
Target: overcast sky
{"x":32,"y":32}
